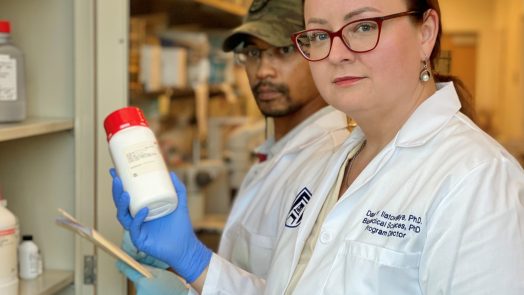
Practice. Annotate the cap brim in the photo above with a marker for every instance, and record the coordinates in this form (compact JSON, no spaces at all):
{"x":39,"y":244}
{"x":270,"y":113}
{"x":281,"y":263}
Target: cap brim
{"x":265,"y":31}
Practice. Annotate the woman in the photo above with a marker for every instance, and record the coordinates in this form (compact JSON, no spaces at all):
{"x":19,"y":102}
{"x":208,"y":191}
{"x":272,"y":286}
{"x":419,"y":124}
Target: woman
{"x":420,"y":201}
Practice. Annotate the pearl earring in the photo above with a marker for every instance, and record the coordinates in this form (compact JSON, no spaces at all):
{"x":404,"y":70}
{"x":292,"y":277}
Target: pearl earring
{"x":425,"y":74}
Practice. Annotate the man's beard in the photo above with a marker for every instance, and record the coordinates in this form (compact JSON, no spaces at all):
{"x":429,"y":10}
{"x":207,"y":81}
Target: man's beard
{"x":287,"y":105}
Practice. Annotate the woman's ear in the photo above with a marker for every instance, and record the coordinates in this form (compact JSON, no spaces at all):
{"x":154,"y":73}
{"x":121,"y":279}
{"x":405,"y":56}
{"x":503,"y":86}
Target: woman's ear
{"x":428,"y":33}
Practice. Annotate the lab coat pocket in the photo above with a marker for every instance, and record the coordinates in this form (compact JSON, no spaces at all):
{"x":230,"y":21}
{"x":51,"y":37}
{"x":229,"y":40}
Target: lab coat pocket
{"x":253,"y":251}
{"x":261,"y":250}
{"x":361,"y":268}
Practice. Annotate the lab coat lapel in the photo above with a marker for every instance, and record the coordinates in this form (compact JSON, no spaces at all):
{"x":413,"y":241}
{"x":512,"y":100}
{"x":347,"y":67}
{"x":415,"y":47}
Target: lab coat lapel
{"x":323,"y":123}
{"x":325,"y":182}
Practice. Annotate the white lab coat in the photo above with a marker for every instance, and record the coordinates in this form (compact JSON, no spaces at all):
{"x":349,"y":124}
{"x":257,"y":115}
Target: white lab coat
{"x":440,"y":210}
{"x":250,"y":233}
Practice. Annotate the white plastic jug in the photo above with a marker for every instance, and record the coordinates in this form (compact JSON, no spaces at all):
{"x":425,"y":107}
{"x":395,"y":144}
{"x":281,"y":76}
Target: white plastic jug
{"x":8,"y":251}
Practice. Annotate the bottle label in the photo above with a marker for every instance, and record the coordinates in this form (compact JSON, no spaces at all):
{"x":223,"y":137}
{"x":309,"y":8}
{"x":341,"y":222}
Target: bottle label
{"x":7,"y":232}
{"x":143,"y":158}
{"x":8,"y":87}
{"x":34,"y":263}
{"x":8,"y":246}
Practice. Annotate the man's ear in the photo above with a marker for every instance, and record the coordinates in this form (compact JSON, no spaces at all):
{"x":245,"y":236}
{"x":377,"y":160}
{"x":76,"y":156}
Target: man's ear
{"x":428,"y":33}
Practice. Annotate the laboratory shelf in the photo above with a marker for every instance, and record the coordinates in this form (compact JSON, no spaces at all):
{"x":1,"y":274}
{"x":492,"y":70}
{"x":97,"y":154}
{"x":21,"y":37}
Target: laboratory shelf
{"x":226,"y":6}
{"x":33,"y":127}
{"x":48,"y":283}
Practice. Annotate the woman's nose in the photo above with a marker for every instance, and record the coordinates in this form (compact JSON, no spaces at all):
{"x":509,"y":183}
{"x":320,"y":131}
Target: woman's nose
{"x":340,"y":52}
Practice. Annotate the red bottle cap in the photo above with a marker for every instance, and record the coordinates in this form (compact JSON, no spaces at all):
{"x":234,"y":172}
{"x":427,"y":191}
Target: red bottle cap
{"x":5,"y":26}
{"x":123,"y":118}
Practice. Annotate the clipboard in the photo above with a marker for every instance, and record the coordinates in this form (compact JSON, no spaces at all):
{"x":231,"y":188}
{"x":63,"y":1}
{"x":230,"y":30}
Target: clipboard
{"x":69,"y":222}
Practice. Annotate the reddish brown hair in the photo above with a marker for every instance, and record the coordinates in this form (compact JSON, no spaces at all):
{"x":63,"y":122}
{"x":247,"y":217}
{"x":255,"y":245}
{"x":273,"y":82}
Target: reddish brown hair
{"x":466,"y":99}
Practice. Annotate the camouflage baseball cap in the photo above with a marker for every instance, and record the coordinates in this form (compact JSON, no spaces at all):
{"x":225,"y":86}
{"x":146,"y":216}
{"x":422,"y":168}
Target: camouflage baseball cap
{"x":270,"y":20}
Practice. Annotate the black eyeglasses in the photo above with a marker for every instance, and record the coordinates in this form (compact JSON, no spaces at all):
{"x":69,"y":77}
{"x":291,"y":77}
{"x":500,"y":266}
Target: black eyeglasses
{"x":359,"y":36}
{"x":251,"y":55}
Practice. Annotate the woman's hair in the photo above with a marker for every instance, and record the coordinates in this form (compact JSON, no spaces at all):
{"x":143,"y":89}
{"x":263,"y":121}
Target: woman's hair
{"x":466,"y":99}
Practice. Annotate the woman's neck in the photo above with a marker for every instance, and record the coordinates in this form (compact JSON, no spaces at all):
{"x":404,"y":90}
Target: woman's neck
{"x":380,"y":127}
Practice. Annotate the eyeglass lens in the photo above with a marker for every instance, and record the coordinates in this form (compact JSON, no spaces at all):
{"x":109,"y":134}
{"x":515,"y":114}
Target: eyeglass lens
{"x":359,"y":36}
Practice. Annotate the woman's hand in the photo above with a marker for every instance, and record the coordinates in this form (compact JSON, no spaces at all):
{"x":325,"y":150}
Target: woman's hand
{"x":170,"y":238}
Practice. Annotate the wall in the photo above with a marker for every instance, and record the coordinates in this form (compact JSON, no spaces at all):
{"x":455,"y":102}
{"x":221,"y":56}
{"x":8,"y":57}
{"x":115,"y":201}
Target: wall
{"x":478,"y":19}
{"x":498,"y":25}
{"x":510,"y":110}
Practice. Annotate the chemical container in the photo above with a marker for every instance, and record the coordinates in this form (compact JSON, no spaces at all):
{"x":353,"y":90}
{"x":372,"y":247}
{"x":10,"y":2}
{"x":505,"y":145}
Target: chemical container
{"x":12,"y":78}
{"x":8,"y":253}
{"x":30,"y":264}
{"x":139,"y":163}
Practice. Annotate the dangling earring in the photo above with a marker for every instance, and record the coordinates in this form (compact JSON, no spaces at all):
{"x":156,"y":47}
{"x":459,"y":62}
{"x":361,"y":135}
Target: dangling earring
{"x":425,"y":74}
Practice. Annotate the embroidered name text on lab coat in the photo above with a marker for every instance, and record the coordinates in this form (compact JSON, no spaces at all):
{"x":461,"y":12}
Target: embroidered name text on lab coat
{"x":386,"y":224}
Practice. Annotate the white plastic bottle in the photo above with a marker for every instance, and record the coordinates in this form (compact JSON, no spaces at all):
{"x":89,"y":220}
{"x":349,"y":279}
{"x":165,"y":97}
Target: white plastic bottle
{"x":8,"y":253}
{"x":29,"y":258}
{"x":12,"y":78}
{"x":139,"y":163}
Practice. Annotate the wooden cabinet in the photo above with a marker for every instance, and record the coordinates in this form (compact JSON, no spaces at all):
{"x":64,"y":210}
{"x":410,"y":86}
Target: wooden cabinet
{"x":236,"y":8}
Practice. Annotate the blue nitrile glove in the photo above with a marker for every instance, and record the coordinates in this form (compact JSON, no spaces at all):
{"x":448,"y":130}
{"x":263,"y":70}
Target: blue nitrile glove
{"x":163,"y":282}
{"x":170,"y":238}
{"x":139,"y":256}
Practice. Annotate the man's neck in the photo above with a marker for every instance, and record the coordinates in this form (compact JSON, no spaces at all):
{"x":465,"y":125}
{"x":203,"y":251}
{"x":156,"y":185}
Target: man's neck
{"x":283,"y":125}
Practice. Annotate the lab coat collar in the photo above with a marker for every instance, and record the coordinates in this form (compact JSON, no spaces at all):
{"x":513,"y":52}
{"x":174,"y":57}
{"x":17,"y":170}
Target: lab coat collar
{"x":430,"y":117}
{"x":265,"y":148}
{"x":308,"y":131}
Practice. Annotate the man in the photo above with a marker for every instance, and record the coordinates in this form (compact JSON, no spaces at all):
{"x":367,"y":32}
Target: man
{"x":306,"y":132}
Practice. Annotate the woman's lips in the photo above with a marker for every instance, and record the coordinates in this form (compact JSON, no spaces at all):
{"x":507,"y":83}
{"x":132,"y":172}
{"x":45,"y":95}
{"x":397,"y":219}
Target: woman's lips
{"x":346,"y":80}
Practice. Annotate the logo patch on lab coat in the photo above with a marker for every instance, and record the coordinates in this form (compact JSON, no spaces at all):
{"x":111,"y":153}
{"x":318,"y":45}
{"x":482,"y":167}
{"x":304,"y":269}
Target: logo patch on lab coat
{"x":294,"y":217}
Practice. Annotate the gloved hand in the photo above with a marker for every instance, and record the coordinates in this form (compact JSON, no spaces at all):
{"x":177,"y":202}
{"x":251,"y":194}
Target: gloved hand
{"x":162,"y":283}
{"x":170,"y":238}
{"x":139,"y":256}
